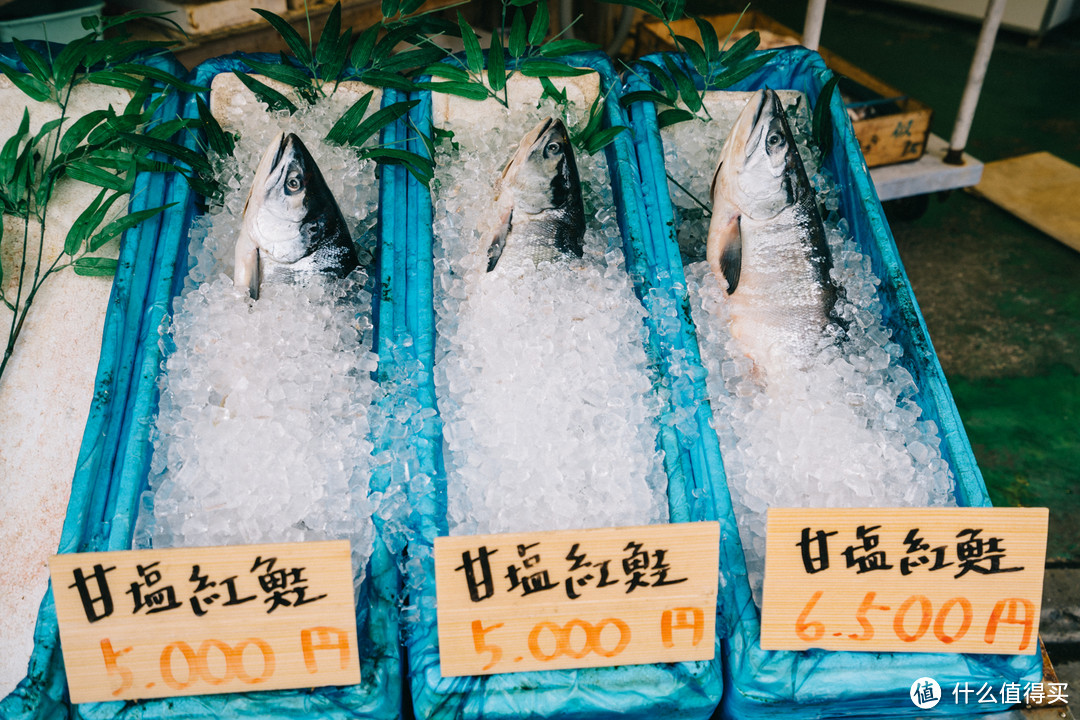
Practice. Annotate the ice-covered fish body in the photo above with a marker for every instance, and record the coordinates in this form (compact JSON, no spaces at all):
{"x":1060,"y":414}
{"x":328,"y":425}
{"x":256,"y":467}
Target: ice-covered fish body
{"x":292,"y":225}
{"x":766,"y":242}
{"x":540,"y":212}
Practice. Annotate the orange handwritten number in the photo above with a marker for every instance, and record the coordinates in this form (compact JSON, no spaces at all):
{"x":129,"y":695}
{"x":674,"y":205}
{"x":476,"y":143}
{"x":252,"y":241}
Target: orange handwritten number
{"x":113,"y":668}
{"x":860,"y":615}
{"x":802,"y":627}
{"x":481,"y":645}
{"x":943,"y":615}
{"x":927,"y":614}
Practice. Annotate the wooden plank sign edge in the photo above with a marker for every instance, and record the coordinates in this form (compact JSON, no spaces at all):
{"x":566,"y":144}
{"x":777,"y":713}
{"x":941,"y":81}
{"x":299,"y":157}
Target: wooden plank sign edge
{"x":959,"y":580}
{"x":143,"y":624}
{"x":584,"y":611}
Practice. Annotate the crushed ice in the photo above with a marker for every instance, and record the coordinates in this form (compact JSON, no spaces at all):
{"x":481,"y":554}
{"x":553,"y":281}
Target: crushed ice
{"x":263,"y":427}
{"x":543,"y":382}
{"x":847,"y":432}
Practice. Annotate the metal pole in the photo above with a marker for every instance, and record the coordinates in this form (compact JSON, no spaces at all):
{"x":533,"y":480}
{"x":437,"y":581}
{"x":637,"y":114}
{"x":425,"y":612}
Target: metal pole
{"x":994,"y":10}
{"x":815,"y":16}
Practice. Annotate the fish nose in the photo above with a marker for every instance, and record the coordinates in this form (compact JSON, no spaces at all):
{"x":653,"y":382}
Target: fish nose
{"x":762,"y":98}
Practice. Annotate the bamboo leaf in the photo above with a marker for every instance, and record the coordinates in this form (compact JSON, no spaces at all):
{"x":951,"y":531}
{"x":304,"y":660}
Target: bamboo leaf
{"x":331,"y":70}
{"x":26,"y":82}
{"x":378,"y":78}
{"x":113,"y":79}
{"x":12,"y":147}
{"x":219,"y":141}
{"x":292,"y":38}
{"x":671,"y":117}
{"x":328,"y":39}
{"x":550,"y":91}
{"x":160,"y":75}
{"x":405,"y":33}
{"x":538,"y":30}
{"x":675,"y":10}
{"x":380,"y":119}
{"x":429,"y":144}
{"x":81,"y":127}
{"x":557,"y":48}
{"x":710,"y":43}
{"x":550,"y":68}
{"x":448,"y":71}
{"x":646,"y":5}
{"x":473,"y":55}
{"x":95,"y":266}
{"x":601,"y":139}
{"x":186,"y":155}
{"x":695,"y":53}
{"x":292,"y":76}
{"x":390,"y":8}
{"x":361,"y":53}
{"x":822,"y":124}
{"x":118,"y":51}
{"x":413,"y":59}
{"x":265,"y":93}
{"x":496,"y":71}
{"x":743,"y":47}
{"x":46,"y":129}
{"x":666,"y":83}
{"x":470,"y":90}
{"x":687,"y":91}
{"x":88,"y":219}
{"x":68,"y":60}
{"x":33,"y":61}
{"x":643,"y":96}
{"x":420,"y":166}
{"x":92,"y":175}
{"x":596,"y":116}
{"x":408,"y":7}
{"x":122,"y":224}
{"x":165,"y":130}
{"x":743,"y":70}
{"x":518,"y":34}
{"x":347,"y":124}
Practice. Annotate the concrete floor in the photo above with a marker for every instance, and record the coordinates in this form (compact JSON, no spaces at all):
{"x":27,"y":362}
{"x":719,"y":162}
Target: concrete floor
{"x":1001,"y":299}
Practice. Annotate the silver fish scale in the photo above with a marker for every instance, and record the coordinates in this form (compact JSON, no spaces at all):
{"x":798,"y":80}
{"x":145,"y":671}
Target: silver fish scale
{"x":532,"y":239}
{"x":782,"y":303}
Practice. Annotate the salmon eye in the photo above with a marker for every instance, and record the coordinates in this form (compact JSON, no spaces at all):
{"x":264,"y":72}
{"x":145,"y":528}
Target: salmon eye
{"x":293,"y":184}
{"x":774,"y":139}
{"x":552,"y":148}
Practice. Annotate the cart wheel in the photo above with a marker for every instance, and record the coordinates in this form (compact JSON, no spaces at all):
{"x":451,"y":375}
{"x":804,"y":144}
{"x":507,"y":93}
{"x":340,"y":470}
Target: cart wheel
{"x":908,"y":208}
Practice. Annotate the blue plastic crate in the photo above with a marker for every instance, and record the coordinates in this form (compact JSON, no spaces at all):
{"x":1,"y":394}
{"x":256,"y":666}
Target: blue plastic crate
{"x":115,"y":457}
{"x":817,"y":683}
{"x":92,"y":508}
{"x":685,"y":690}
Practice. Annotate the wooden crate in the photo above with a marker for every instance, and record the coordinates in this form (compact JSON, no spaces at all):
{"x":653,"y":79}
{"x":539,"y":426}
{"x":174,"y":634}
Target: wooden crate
{"x":885,"y":139}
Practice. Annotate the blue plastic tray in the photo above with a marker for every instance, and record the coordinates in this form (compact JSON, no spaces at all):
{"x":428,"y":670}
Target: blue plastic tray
{"x":817,"y":683}
{"x":683,"y":690}
{"x":115,"y":457}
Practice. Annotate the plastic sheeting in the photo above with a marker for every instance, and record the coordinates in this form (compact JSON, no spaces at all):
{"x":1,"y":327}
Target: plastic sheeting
{"x":817,"y":683}
{"x":115,"y":457}
{"x":685,"y":690}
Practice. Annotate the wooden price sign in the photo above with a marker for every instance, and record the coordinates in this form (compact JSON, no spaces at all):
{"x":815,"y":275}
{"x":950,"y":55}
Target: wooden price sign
{"x":965,"y":580}
{"x":576,"y":598}
{"x":191,"y":621}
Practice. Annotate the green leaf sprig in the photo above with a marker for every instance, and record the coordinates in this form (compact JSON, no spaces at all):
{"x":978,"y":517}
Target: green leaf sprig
{"x":526,"y":42}
{"x":315,"y":70}
{"x":718,"y":65}
{"x":105,"y":148}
